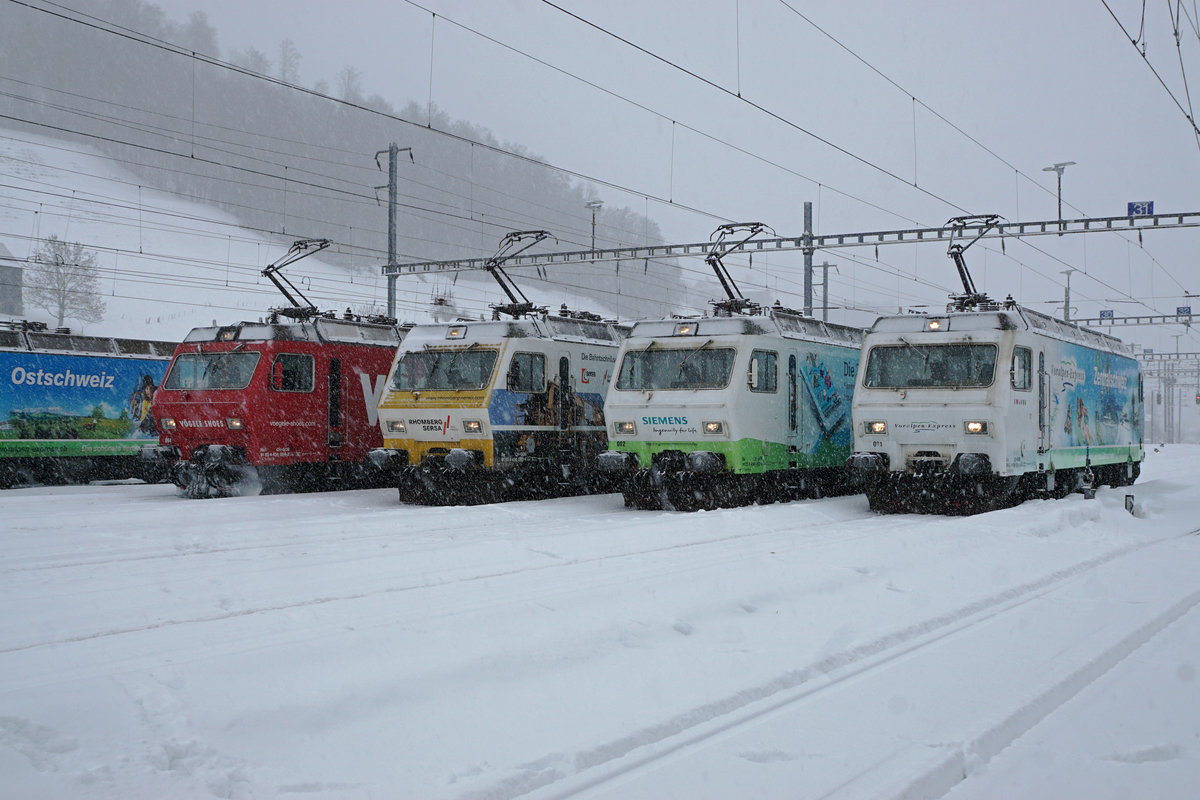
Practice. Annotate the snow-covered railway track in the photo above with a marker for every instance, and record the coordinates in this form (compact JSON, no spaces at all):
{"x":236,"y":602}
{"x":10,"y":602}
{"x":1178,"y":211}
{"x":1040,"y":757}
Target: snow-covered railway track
{"x":336,"y":525}
{"x":436,"y":561}
{"x":564,"y":648}
{"x":777,"y":720}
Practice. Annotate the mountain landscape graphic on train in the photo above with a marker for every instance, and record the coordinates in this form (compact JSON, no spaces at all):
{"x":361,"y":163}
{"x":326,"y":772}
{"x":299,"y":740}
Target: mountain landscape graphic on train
{"x":79,"y":402}
{"x":1094,"y":400}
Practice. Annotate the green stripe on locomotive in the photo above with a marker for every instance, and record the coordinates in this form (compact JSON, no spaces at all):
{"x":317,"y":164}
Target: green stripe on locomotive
{"x":745,"y":456}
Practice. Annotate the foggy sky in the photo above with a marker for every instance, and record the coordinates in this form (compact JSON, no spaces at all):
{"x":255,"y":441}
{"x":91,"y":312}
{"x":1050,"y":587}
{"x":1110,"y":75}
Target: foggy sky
{"x":1033,"y":83}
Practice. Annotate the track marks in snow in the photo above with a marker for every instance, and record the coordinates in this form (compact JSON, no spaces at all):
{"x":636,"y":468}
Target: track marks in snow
{"x":171,"y":747}
{"x":43,"y":746}
{"x":1163,"y":752}
{"x":696,"y":553}
{"x":590,"y":768}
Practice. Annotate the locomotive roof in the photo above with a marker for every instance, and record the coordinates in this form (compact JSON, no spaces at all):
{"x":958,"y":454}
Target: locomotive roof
{"x":42,"y":340}
{"x":778,"y":323}
{"x":547,"y":327}
{"x":1012,"y":317}
{"x":321,"y":329}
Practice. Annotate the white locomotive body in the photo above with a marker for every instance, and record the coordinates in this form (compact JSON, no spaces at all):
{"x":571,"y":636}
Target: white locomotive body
{"x":729,"y":410}
{"x":973,"y":410}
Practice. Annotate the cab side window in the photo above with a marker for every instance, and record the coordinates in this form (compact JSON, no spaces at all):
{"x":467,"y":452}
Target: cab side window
{"x":292,"y":373}
{"x":1022,"y":368}
{"x":765,"y":361}
{"x":527,"y":373}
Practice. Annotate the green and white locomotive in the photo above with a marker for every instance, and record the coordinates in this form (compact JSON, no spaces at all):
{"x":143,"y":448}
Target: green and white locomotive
{"x":750,"y":405}
{"x":726,"y":411}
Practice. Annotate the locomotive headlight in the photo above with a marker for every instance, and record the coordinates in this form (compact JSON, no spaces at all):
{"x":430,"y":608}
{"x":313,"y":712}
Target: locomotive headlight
{"x":167,"y":423}
{"x":625,"y":428}
{"x":396,"y":426}
{"x":472,"y":426}
{"x":233,"y":424}
{"x":876,"y":428}
{"x":976,"y":426}
{"x":714,"y":428}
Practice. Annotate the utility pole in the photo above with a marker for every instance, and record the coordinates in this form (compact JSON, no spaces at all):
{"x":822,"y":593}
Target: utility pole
{"x":393,"y":151}
{"x":1176,"y":406}
{"x":808,"y":258}
{"x":594,"y":205}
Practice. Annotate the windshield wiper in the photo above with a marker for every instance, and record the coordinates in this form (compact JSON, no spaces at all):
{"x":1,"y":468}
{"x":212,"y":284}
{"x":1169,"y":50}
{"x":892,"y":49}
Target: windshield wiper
{"x":454,"y":360}
{"x":220,"y":360}
{"x":689,"y":355}
{"x":924,"y":355}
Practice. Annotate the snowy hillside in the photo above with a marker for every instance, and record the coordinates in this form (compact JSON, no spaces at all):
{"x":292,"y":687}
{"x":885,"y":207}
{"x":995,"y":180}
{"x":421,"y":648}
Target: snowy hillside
{"x":341,"y":645}
{"x":169,"y":264}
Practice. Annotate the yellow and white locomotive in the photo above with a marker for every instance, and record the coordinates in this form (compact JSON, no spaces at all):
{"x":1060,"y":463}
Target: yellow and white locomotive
{"x":483,"y":411}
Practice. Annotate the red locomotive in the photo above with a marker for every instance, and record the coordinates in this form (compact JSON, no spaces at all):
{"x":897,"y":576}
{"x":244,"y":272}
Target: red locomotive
{"x":280,"y":405}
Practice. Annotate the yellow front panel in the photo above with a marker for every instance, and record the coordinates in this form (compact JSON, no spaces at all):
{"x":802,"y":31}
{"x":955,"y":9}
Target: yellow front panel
{"x":418,"y":450}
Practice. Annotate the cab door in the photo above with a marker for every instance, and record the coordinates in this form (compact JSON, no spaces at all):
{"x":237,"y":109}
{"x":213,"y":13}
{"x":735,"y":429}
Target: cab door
{"x":337,"y":416}
{"x":794,"y":434}
{"x":566,"y":393}
{"x":1043,"y":404}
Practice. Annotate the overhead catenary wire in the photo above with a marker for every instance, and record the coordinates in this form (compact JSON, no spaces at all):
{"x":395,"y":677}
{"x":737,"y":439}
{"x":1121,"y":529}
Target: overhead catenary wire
{"x":1191,"y":120}
{"x":406,"y":121}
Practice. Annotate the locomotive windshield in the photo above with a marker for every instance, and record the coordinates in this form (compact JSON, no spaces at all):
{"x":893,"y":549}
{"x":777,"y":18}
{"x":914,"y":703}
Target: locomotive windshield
{"x":906,"y":366}
{"x":444,"y":369}
{"x":229,"y":370}
{"x":694,"y":368}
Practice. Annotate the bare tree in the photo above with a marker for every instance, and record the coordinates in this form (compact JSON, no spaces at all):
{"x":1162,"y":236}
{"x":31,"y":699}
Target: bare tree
{"x":349,"y":84}
{"x":64,"y":281}
{"x":252,"y":59}
{"x":289,"y":62}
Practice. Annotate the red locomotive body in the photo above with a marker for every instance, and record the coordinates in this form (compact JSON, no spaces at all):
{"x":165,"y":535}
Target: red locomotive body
{"x":284,"y":405}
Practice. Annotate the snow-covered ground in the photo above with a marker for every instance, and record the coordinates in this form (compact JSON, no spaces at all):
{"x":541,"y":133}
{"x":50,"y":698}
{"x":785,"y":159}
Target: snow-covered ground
{"x":341,"y":645}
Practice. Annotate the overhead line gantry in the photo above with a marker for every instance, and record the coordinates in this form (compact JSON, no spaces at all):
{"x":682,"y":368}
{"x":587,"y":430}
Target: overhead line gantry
{"x":982,"y":229}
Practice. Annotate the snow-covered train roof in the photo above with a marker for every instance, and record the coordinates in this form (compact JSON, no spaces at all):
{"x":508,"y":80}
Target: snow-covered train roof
{"x":1011,"y":317}
{"x":777,"y":323}
{"x":547,"y":327}
{"x":321,"y":329}
{"x":19,"y":337}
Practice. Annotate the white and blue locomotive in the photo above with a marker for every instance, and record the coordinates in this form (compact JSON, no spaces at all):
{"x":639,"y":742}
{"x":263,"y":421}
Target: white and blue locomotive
{"x":990,"y":404}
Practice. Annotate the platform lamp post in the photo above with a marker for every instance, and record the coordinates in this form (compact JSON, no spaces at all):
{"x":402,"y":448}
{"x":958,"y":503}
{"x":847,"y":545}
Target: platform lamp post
{"x":1058,"y":168}
{"x":1067,"y":293}
{"x":594,"y":205}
